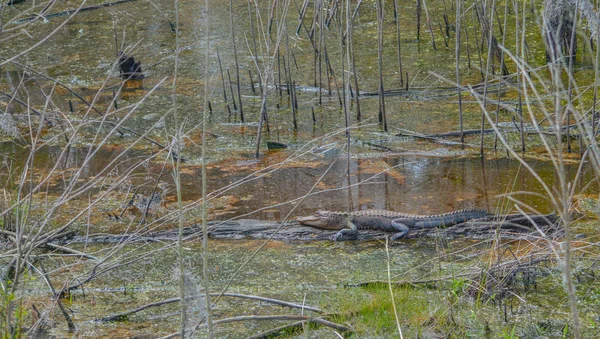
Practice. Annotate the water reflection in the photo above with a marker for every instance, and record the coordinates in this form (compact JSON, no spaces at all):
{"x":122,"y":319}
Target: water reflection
{"x":412,"y":184}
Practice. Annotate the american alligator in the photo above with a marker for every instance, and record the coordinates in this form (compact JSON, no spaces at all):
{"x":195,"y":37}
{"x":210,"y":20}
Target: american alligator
{"x":350,"y":222}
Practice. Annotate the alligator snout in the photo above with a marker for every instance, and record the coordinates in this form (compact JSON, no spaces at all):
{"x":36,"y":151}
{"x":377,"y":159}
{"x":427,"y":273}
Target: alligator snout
{"x":314,"y":221}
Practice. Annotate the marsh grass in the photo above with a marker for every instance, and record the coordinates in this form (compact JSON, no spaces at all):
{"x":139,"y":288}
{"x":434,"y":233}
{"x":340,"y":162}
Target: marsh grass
{"x":452,"y":309}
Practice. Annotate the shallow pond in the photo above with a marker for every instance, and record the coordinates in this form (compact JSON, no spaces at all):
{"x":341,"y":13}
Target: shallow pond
{"x":392,"y":171}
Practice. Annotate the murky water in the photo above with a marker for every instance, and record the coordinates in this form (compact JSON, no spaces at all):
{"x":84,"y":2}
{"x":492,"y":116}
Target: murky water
{"x":383,"y":172}
{"x":270,"y":187}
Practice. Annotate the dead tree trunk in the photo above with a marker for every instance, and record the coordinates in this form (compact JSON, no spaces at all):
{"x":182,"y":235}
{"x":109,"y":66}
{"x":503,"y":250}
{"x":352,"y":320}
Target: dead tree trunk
{"x":558,"y":17}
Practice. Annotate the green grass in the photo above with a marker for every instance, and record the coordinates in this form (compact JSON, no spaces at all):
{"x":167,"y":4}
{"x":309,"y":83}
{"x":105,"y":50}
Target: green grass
{"x":450,"y":310}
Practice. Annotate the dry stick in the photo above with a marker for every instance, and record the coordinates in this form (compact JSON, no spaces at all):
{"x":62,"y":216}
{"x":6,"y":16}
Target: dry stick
{"x":114,"y":98}
{"x":457,"y":53}
{"x":596,"y":76}
{"x":524,"y":75}
{"x":354,"y":74}
{"x":321,"y":43}
{"x":255,"y":49}
{"x":277,"y":121}
{"x":337,"y":88}
{"x":116,"y":39}
{"x":331,"y":12}
{"x":22,"y":103}
{"x":503,"y":68}
{"x":489,"y":25}
{"x":251,"y":81}
{"x":205,"y":275}
{"x":177,"y":179}
{"x":418,"y":23}
{"x":397,"y":18}
{"x":271,"y":318}
{"x":123,"y":315}
{"x":56,"y":297}
{"x":478,"y":46}
{"x":503,"y":30}
{"x":313,"y":24}
{"x":310,"y":38}
{"x":327,"y":62}
{"x":501,"y":27}
{"x":520,"y":82}
{"x":327,"y":76}
{"x":48,"y":101}
{"x":289,"y":80}
{"x":151,"y":197}
{"x":442,"y":33}
{"x":572,"y":52}
{"x":355,"y":13}
{"x":261,"y":120}
{"x":382,"y":115}
{"x":237,"y":66}
{"x":446,"y":25}
{"x":231,"y":89}
{"x":295,"y":95}
{"x":289,"y":329}
{"x":315,"y":50}
{"x":130,"y":203}
{"x":294,"y":104}
{"x":272,"y":15}
{"x":391,"y":290}
{"x":301,"y":17}
{"x":222,"y":77}
{"x":70,"y":11}
{"x":567,"y":245}
{"x":402,"y":283}
{"x":319,"y":321}
{"x":288,"y":88}
{"x":328,"y":65}
{"x":468,"y":49}
{"x":458,"y":133}
{"x":429,"y":24}
{"x":279,"y":72}
{"x":264,"y":89}
{"x":346,"y":84}
{"x":273,"y":301}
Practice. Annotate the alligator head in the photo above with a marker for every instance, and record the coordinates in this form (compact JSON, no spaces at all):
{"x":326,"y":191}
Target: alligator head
{"x":325,"y":219}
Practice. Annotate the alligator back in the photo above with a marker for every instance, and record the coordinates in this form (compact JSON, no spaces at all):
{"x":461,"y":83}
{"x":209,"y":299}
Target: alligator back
{"x":382,"y":219}
{"x":465,"y":213}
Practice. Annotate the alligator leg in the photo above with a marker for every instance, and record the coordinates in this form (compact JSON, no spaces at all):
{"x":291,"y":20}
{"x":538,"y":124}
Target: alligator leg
{"x":347,"y":233}
{"x":403,"y":229}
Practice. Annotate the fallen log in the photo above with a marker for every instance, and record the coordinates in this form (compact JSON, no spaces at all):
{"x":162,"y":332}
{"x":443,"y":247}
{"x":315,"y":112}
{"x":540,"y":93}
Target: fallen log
{"x":509,"y":226}
{"x":124,"y":315}
{"x":457,"y":133}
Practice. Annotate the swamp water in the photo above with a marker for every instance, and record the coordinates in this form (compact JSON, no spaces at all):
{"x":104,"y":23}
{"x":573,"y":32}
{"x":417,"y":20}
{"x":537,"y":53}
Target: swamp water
{"x":387,"y":171}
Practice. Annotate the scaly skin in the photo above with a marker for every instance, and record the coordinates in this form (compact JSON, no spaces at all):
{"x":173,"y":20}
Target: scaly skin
{"x":350,"y":222}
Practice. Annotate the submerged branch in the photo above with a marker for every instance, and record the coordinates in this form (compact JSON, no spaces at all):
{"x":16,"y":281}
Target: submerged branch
{"x":123,"y":315}
{"x":70,"y":11}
